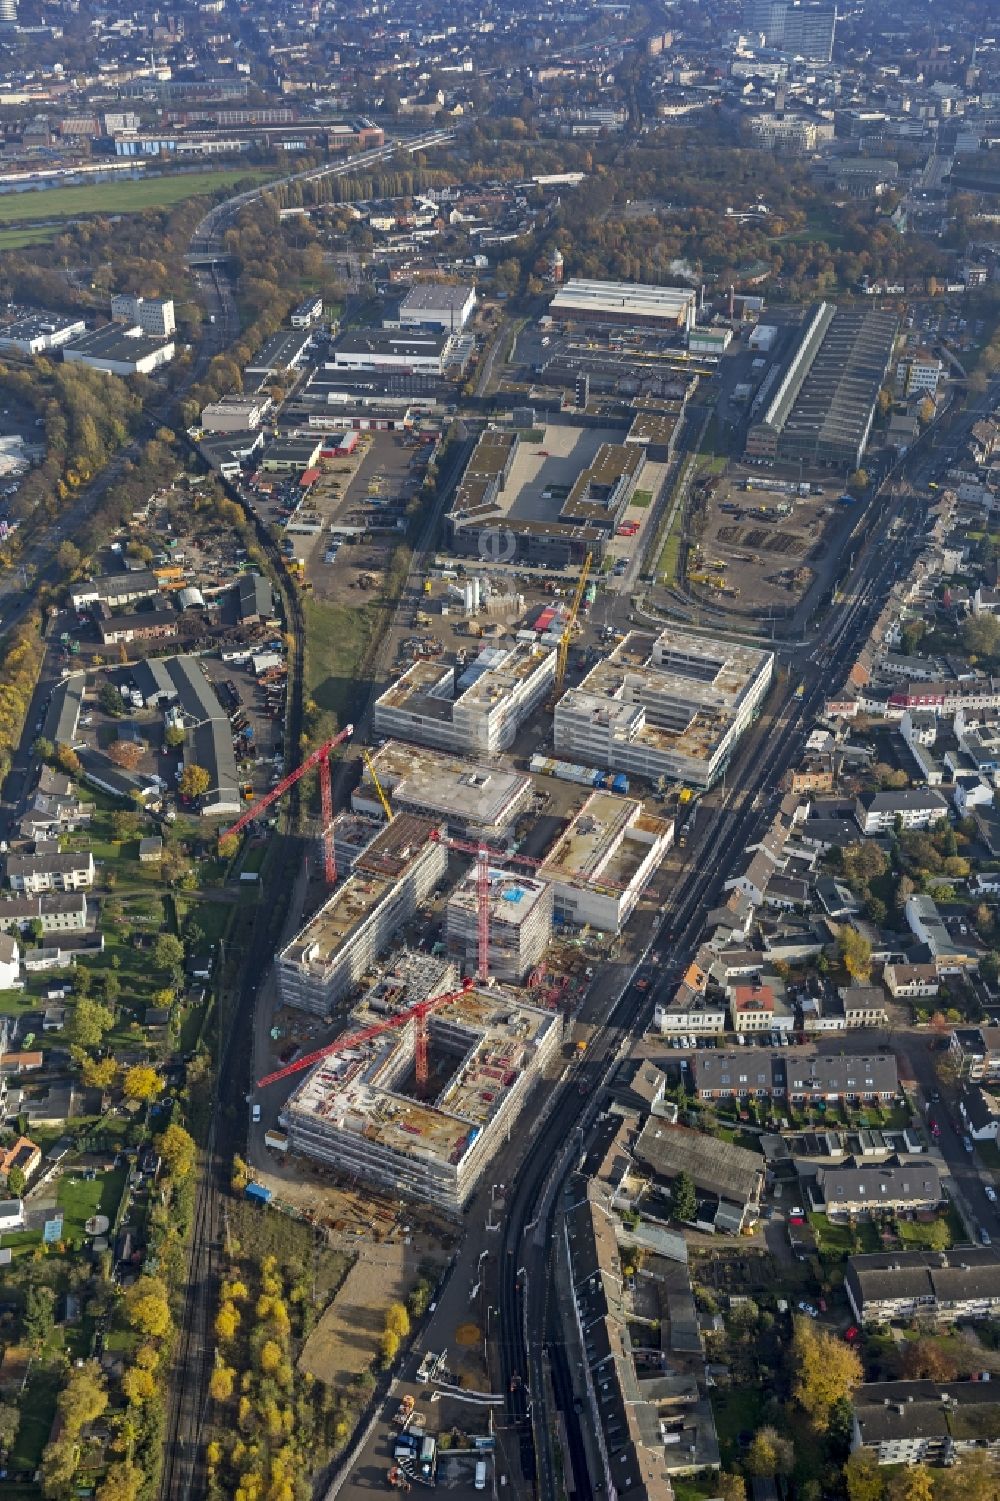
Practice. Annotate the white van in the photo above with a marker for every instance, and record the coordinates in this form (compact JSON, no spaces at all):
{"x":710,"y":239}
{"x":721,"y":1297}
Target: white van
{"x":480,"y":1474}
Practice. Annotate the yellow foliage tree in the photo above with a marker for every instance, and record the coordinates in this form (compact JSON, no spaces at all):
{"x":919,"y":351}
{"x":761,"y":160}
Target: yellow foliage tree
{"x":397,"y":1319}
{"x":390,"y":1346}
{"x":270,"y":1357}
{"x":826,"y":1371}
{"x":227,"y":1321}
{"x":235,"y":1291}
{"x":176,"y":1147}
{"x":147,"y":1308}
{"x":138,"y":1385}
{"x":142,"y":1083}
{"x":99,"y":1073}
{"x":221,"y":1385}
{"x":123,"y":1482}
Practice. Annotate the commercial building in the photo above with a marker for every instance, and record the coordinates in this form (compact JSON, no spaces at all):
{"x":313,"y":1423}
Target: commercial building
{"x":148,"y":625}
{"x":809,"y":31}
{"x":807,"y":1078}
{"x":282,"y":351}
{"x":153,"y":315}
{"x":730,"y":1174}
{"x":119,"y":350}
{"x":235,"y":414}
{"x":432,"y":304}
{"x":307,"y":313}
{"x":520,"y":924}
{"x":603,"y":862}
{"x":407,"y":351}
{"x":337,"y":945}
{"x":291,"y":455}
{"x":822,"y":410}
{"x":943,"y":1286}
{"x":476,"y":713}
{"x":39,"y":332}
{"x":474,"y":800}
{"x":926,"y":1422}
{"x":359,"y":1110}
{"x":671,"y":706}
{"x":620,"y":302}
{"x":795,"y":135}
{"x":114,"y":589}
{"x":179,"y":686}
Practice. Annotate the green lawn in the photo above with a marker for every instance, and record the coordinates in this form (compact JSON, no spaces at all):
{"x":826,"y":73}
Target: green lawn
{"x":79,"y":1199}
{"x":641,"y":499}
{"x":38,"y":1408}
{"x":834,"y":1239}
{"x":129,"y":196}
{"x":17,"y":239}
{"x":22,"y":1241}
{"x":337,"y":638}
{"x":737,"y":1411}
{"x":912,"y":1233}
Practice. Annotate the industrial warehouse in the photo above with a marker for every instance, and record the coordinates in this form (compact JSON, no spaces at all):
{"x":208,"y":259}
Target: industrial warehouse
{"x":822,"y":410}
{"x":363,"y":1110}
{"x":671,"y":706}
{"x":628,"y":303}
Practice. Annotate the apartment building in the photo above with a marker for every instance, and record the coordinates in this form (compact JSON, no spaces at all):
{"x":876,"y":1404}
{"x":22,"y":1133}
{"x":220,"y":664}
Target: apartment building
{"x":912,"y":808}
{"x":851,"y":1191}
{"x":520,"y":924}
{"x":807,"y":1078}
{"x":944,"y":1286}
{"x":476,"y":712}
{"x":926,"y":1422}
{"x":671,"y":706}
{"x":602,"y":863}
{"x":336,"y":946}
{"x":31,"y":874}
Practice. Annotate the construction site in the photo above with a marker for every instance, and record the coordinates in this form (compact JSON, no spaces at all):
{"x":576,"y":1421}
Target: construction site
{"x":415,"y":1095}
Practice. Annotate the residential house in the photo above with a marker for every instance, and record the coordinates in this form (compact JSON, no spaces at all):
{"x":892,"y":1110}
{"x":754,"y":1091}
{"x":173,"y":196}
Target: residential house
{"x":911,"y":981}
{"x":57,"y":871}
{"x":10,"y":961}
{"x":864,"y":1006}
{"x":760,"y":1007}
{"x":926,"y":1422}
{"x":24,"y":1154}
{"x":847,"y":1190}
{"x":980,"y":1112}
{"x":941,"y":1285}
{"x":806,"y":1078}
{"x":719,"y":1170}
{"x":914,"y":808}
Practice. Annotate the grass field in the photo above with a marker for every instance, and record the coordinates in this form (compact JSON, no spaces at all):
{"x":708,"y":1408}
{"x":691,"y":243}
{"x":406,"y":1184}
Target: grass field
{"x":337,"y":638}
{"x":17,"y":239}
{"x":37,"y":1411}
{"x":130,"y":196}
{"x":79,"y":1199}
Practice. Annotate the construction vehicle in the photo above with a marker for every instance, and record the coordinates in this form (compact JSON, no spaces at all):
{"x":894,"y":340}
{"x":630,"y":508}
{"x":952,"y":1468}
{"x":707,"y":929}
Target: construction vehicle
{"x":427,"y":586}
{"x":377,"y":784}
{"x":404,"y":1412}
{"x":397,"y":1479}
{"x":320,"y":758}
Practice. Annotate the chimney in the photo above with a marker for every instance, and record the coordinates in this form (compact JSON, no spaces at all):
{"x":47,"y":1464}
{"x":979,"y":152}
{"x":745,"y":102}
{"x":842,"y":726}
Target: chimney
{"x":732,"y":303}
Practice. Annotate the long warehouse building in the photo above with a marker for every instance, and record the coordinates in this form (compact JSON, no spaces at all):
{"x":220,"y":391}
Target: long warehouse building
{"x":631,"y":304}
{"x":823,"y":408}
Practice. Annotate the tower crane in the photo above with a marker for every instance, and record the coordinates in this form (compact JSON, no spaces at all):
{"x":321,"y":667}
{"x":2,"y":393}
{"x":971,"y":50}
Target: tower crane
{"x":567,"y":635}
{"x":418,"y":1014}
{"x":376,"y":783}
{"x":320,"y":757}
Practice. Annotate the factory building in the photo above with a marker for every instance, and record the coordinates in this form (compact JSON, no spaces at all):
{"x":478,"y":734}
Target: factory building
{"x":671,"y":706}
{"x":338,"y":944}
{"x":433,"y":304}
{"x":359,"y":1111}
{"x":630,"y":304}
{"x":603,"y":862}
{"x":476,"y":713}
{"x":119,"y":350}
{"x":473,"y":800}
{"x":520,"y":924}
{"x":408,"y":351}
{"x":822,"y":410}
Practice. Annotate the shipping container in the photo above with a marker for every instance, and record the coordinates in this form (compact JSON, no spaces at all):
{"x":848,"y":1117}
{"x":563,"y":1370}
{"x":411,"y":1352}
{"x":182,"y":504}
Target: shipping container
{"x":258,"y":1193}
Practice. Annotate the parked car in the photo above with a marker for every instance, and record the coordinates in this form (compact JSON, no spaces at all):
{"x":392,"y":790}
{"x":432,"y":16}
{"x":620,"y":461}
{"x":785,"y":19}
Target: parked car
{"x":991,"y":1193}
{"x":809,"y":1310}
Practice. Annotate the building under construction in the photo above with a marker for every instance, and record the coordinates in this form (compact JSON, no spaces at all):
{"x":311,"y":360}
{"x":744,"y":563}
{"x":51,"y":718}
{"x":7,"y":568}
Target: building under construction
{"x":520,"y":911}
{"x":603,"y":861}
{"x":474,"y":800}
{"x":339,"y":943}
{"x":360,"y":1111}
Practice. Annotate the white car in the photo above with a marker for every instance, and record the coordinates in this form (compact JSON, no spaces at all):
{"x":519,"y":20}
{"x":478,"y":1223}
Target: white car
{"x":991,"y":1193}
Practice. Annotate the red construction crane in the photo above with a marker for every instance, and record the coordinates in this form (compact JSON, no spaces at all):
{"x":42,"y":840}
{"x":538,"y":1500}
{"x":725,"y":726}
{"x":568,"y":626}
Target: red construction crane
{"x":418,"y":1013}
{"x":319,"y":757}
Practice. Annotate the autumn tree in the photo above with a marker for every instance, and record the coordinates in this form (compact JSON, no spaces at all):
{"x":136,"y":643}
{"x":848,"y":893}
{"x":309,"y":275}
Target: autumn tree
{"x":174,"y":736}
{"x":177,"y":1148}
{"x":125,"y":753}
{"x":222,"y":1382}
{"x":99,"y":1073}
{"x":731,"y":1487}
{"x":227,"y":1321}
{"x":123,"y":1482}
{"x":855,"y":953}
{"x":826,"y":1371}
{"x":914,"y":1483}
{"x":397,"y":1319}
{"x":142,"y":1082}
{"x":67,"y":760}
{"x":89,"y":1022}
{"x":194,"y":781}
{"x":389,"y":1346}
{"x":138,"y":1385}
{"x":863,"y":1477}
{"x":770,"y":1454}
{"x":147,"y":1308}
{"x":925,"y":1359}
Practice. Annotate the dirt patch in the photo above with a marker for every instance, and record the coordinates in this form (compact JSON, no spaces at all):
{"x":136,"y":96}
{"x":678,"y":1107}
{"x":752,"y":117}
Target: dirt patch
{"x":346,"y":1339}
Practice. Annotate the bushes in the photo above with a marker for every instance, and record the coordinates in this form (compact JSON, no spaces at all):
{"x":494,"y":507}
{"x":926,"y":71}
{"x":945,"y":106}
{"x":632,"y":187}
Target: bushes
{"x":21,"y":654}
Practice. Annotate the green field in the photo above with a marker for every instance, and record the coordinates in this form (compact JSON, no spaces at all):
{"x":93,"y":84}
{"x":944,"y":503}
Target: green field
{"x":16,"y":239}
{"x":130,"y":196}
{"x":79,"y":1199}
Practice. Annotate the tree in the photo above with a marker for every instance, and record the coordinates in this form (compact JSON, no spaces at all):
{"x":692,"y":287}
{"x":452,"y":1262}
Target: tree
{"x":110,"y":700}
{"x":138,"y":1385}
{"x":123,"y":1482}
{"x":174,"y":736}
{"x":176,"y":1147}
{"x":142,"y":1082}
{"x":39,"y":1316}
{"x":855,"y":953}
{"x":939,"y":1236}
{"x":925,"y":1359}
{"x":683,"y":1198}
{"x":770,"y":1454}
{"x":981,"y":635}
{"x":89,"y":1023}
{"x":228,"y":845}
{"x":147,"y":1308}
{"x":925,"y":411}
{"x":10,"y":1421}
{"x":397,"y":1319}
{"x":390,"y":1346}
{"x":67,"y":760}
{"x":731,"y":1487}
{"x":194,"y":780}
{"x":826,"y":1371}
{"x":99,"y":1073}
{"x":125,"y":753}
{"x":973,"y":1478}
{"x":83,"y":1398}
{"x":168,"y":952}
{"x":68,"y":556}
{"x":227,"y":1321}
{"x":16,"y":1182}
{"x":271,"y":1357}
{"x":221,"y":1384}
{"x":857,"y":483}
{"x":864,"y":1478}
{"x":912,"y":1484}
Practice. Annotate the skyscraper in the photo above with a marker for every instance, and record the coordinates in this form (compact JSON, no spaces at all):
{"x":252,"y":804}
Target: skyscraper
{"x":809,"y":31}
{"x":8,"y":12}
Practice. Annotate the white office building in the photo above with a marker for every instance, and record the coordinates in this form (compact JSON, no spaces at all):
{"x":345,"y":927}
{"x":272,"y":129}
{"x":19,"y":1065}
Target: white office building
{"x":154,"y":315}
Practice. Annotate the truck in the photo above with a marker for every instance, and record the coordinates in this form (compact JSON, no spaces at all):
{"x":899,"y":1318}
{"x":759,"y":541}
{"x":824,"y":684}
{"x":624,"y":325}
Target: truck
{"x":257,"y":1193}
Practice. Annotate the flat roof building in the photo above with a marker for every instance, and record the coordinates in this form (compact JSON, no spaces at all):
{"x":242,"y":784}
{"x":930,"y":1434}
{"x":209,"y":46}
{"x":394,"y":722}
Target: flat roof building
{"x":235,"y":414}
{"x":520,"y":924}
{"x":621,"y":302}
{"x":444,"y":305}
{"x":359,"y":1110}
{"x":601,"y":864}
{"x":118,"y":350}
{"x":38,"y":332}
{"x":672,"y":706}
{"x":404,"y":350}
{"x":337,"y":945}
{"x":477,"y":713}
{"x":472,"y":799}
